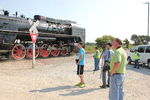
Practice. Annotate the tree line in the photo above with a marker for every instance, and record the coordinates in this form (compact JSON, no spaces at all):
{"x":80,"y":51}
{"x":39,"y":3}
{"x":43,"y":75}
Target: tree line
{"x":140,"y":39}
{"x":137,"y":39}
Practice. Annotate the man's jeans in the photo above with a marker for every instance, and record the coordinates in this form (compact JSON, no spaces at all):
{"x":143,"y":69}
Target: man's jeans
{"x":96,"y":63}
{"x":137,"y":63}
{"x":116,"y":91}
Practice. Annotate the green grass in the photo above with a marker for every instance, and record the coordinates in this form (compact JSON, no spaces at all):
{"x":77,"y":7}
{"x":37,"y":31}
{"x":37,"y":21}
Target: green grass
{"x":89,"y":48}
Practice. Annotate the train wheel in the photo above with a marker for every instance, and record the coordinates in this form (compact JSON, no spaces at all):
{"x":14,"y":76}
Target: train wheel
{"x":44,"y":52}
{"x":18,"y":52}
{"x":30,"y":51}
{"x":64,"y":52}
{"x":55,"y":52}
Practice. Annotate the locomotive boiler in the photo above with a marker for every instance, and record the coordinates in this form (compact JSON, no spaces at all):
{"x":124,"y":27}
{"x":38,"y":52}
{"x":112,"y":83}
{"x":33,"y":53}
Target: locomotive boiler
{"x":55,"y":36}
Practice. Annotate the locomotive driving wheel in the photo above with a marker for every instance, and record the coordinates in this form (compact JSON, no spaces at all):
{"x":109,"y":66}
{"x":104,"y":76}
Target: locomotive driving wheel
{"x":44,"y":51}
{"x":30,"y":51}
{"x":18,"y":52}
{"x":55,"y":52}
{"x":64,"y":52}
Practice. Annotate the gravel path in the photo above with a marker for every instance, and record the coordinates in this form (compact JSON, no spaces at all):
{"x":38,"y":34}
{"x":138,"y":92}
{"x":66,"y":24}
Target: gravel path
{"x":54,"y":79}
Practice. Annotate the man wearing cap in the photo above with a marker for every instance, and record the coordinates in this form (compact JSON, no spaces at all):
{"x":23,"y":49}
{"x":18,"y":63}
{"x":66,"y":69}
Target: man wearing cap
{"x":106,"y":57}
{"x":117,"y":70}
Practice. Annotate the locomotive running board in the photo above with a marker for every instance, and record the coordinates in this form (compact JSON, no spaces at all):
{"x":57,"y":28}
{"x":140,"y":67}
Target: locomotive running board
{"x":40,"y":33}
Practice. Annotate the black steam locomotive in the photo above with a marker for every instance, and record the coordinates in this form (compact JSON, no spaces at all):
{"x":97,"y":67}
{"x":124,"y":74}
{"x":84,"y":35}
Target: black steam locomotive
{"x":55,"y":37}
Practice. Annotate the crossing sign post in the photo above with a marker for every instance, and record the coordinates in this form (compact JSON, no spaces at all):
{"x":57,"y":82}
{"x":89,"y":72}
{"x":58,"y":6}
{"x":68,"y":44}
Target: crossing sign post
{"x":34,"y":36}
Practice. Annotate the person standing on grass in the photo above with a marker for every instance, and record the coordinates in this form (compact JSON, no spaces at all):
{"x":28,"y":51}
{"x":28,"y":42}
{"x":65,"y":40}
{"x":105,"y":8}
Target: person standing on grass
{"x":117,"y":70}
{"x":81,"y":64}
{"x":136,"y":58}
{"x":96,"y":59}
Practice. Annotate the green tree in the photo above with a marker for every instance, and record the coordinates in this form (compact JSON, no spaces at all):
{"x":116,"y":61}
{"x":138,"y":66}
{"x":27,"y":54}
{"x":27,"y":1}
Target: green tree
{"x":126,"y":43}
{"x":141,"y":39}
{"x":144,"y":39}
{"x":101,"y":41}
{"x":136,"y":39}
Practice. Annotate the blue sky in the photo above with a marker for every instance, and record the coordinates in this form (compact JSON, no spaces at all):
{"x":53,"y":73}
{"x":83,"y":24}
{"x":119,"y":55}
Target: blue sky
{"x":119,"y":18}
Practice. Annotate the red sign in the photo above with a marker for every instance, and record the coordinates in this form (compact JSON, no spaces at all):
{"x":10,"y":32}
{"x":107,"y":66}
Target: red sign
{"x":34,"y":37}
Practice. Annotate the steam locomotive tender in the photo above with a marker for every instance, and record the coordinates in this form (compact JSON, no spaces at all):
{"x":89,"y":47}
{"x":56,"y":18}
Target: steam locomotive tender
{"x":55,"y":37}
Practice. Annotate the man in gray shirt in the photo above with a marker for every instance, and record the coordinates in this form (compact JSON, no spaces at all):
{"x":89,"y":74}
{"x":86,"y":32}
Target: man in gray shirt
{"x":106,"y":57}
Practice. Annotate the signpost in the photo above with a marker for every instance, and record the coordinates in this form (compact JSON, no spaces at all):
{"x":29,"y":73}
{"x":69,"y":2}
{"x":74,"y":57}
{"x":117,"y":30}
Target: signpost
{"x":34,"y":36}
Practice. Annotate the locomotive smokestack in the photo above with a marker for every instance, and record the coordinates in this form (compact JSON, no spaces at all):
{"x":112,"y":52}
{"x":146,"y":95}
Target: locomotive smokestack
{"x":6,"y":13}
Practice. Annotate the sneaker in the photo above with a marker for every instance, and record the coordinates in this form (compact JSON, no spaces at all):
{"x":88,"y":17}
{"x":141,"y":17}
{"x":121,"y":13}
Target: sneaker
{"x":78,"y":84}
{"x":82,"y":85}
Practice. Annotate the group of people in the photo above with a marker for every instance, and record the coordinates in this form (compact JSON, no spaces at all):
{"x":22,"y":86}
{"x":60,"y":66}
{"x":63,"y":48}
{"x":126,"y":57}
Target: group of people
{"x":115,"y":60}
